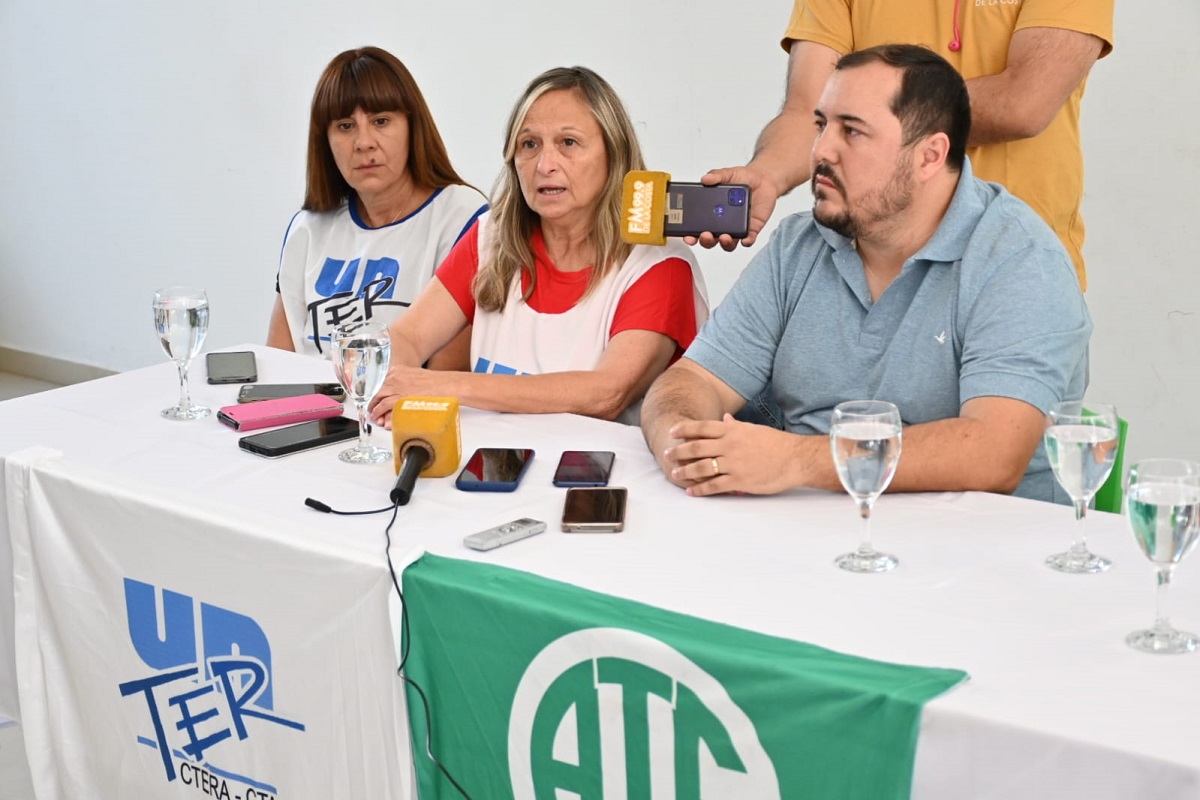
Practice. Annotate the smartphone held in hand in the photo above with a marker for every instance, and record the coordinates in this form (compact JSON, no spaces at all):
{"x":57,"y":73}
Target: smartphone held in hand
{"x":693,"y":209}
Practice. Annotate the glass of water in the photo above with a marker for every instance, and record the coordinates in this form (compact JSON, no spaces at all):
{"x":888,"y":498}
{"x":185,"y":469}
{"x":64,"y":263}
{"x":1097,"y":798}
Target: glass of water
{"x":865,"y":437}
{"x":181,"y":321}
{"x":361,"y":354}
{"x":1081,"y":445}
{"x":1162,"y":504}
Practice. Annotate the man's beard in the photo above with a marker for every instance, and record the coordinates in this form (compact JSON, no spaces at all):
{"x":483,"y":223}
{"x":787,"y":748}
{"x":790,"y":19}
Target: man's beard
{"x":895,"y":197}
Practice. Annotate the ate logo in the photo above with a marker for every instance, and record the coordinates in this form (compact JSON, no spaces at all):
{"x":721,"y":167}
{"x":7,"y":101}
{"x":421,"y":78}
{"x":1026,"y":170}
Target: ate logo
{"x":607,"y":712}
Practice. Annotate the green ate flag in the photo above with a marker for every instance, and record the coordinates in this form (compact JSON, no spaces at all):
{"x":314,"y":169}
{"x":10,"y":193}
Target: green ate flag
{"x":539,"y":690}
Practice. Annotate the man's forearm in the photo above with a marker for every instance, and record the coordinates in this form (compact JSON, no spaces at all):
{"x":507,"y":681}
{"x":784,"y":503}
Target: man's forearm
{"x":1044,"y":67}
{"x":676,"y":395}
{"x":987,"y":450}
{"x":783,"y":148}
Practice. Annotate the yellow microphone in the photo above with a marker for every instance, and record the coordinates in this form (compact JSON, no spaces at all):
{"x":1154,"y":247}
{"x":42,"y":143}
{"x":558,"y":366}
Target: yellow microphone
{"x":426,"y":440}
{"x":644,"y":207}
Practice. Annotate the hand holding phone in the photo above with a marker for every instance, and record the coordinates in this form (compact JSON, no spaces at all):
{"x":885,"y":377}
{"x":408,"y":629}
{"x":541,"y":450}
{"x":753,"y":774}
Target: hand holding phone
{"x":494,"y":469}
{"x":693,"y":209}
{"x":594,"y":510}
{"x":584,"y":468}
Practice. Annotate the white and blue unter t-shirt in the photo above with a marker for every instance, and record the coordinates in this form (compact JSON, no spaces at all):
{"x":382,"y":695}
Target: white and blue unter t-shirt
{"x":335,"y":269}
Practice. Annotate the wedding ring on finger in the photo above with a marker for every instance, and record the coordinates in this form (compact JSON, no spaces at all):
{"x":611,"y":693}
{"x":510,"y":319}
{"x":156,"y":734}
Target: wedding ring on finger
{"x":716,"y":467}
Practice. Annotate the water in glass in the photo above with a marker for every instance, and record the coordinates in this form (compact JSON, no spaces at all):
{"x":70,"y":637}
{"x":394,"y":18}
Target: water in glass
{"x":361,"y":355}
{"x":865,"y":438}
{"x":1163,"y":507}
{"x":1081,"y":445}
{"x":866,"y":455}
{"x":181,"y":322}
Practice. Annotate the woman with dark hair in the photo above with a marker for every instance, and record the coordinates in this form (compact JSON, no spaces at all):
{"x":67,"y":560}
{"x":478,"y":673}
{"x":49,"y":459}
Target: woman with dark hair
{"x":564,"y":315}
{"x":383,"y":206}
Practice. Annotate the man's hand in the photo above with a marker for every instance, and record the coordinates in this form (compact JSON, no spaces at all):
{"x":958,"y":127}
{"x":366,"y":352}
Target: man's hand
{"x":764,"y":193}
{"x":730,"y":456}
{"x":781,"y":155}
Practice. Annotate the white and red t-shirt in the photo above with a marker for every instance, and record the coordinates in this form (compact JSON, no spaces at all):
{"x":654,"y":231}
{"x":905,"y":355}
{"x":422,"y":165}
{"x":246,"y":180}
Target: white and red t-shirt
{"x":557,"y":329}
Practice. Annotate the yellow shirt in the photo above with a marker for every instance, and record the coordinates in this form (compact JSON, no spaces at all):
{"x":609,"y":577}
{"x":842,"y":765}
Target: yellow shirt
{"x":1045,"y":171}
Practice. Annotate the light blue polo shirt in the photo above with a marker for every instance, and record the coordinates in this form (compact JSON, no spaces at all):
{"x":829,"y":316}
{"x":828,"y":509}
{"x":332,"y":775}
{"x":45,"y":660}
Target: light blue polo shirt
{"x":990,"y":306}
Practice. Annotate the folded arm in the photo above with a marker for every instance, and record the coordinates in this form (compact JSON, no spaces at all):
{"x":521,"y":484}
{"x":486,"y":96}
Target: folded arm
{"x":1044,"y":66}
{"x":687,"y":425}
{"x":631,"y":360}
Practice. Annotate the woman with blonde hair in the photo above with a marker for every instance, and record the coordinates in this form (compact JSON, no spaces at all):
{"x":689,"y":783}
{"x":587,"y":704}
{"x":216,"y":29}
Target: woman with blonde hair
{"x":566,"y":316}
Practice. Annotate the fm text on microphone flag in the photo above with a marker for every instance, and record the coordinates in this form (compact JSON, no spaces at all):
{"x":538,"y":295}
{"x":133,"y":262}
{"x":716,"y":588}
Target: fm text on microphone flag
{"x":644,"y":207}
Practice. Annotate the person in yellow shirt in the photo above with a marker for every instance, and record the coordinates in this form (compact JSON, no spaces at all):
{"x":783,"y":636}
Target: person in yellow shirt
{"x":1025,"y":63}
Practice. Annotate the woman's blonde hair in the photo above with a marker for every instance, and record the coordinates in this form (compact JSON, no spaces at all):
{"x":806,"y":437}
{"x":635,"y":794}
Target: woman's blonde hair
{"x":512,"y":221}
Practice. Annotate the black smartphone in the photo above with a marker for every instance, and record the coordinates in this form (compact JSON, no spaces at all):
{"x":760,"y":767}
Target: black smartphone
{"x":253,"y":392}
{"x":693,"y":208}
{"x":237,"y":367}
{"x":494,"y":469}
{"x":594,"y":510}
{"x":297,"y":438}
{"x":584,"y":468}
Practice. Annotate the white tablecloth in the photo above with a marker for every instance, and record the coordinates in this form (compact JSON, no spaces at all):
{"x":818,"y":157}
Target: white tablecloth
{"x":1057,"y":705}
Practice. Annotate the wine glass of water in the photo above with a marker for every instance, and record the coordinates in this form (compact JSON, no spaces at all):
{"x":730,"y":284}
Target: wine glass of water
{"x":865,"y":437}
{"x":361,"y":354}
{"x":1081,"y":445}
{"x":181,"y":320}
{"x":1163,"y":504}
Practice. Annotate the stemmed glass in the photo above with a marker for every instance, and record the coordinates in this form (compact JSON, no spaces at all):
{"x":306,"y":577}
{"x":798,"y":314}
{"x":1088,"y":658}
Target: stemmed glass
{"x":865,"y":437}
{"x":1081,"y":445}
{"x":181,"y":320}
{"x":1162,"y":503}
{"x":361,"y":354}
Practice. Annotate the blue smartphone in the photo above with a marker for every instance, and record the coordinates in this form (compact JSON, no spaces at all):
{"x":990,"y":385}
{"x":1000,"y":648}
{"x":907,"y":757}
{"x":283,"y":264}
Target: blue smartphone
{"x":584,"y":468}
{"x":494,"y":469}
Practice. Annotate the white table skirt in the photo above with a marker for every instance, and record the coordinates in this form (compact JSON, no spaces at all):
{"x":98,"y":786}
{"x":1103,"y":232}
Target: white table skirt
{"x":1057,"y":705}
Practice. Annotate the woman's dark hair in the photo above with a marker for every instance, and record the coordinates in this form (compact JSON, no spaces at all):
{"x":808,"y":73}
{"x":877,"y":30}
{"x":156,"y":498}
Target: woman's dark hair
{"x":375,"y":81}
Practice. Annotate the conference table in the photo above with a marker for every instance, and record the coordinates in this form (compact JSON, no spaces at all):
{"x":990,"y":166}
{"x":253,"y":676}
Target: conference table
{"x":1056,"y":705}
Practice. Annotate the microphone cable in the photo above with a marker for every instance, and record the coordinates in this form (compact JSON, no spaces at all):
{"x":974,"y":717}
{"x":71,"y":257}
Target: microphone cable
{"x":317,"y":505}
{"x":404,"y":635}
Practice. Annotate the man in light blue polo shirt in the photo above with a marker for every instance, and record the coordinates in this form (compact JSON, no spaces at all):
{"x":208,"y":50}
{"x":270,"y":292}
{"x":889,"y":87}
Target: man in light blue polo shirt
{"x":911,"y":281}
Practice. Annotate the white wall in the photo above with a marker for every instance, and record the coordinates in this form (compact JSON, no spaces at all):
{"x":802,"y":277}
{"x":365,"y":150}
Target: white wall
{"x":144,"y":145}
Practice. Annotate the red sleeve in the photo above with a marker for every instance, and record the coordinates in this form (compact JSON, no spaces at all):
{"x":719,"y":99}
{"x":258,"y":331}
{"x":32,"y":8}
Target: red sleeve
{"x":662,"y":301}
{"x":458,"y":270}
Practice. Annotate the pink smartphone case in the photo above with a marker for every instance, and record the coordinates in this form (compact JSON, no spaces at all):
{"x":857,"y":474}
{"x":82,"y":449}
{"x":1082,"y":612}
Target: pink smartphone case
{"x":283,"y":411}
